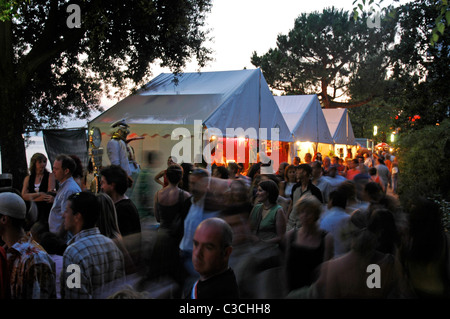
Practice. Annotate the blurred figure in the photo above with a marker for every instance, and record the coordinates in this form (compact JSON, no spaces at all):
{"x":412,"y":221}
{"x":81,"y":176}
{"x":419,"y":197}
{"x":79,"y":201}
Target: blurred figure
{"x":212,"y":245}
{"x":306,"y":247}
{"x":220,"y":172}
{"x":375,"y":178}
{"x":335,"y":220}
{"x":282,"y":170}
{"x":55,"y":247}
{"x":352,"y":202}
{"x":254,"y":170}
{"x":333,"y":178}
{"x":248,"y":180}
{"x":38,"y":184}
{"x":257,"y":264}
{"x":424,"y":258}
{"x":368,"y":161}
{"x":395,"y":172}
{"x":382,"y":224}
{"x":353,"y":169}
{"x":326,"y":164}
{"x":108,"y":226}
{"x":347,"y":276}
{"x":319,"y":181}
{"x":233,"y":169}
{"x":197,"y":211}
{"x":238,"y":194}
{"x":187,"y":170}
{"x":308,"y":158}
{"x":267,"y":219}
{"x":379,"y":200}
{"x":383,"y":172}
{"x":146,"y":187}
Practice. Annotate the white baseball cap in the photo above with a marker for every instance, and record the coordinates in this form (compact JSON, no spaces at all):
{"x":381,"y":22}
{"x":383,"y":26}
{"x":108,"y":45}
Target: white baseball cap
{"x":12,"y":205}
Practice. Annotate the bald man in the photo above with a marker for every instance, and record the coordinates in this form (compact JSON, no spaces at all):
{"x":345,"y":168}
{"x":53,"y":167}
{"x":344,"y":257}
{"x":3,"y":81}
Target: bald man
{"x":212,"y":250}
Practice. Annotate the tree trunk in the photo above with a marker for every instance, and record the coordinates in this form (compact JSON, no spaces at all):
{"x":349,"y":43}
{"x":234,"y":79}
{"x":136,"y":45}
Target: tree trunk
{"x":12,"y":145}
{"x":13,"y":155}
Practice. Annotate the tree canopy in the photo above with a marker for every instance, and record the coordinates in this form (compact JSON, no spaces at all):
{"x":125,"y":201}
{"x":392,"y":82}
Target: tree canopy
{"x":329,"y":54}
{"x":50,"y":68}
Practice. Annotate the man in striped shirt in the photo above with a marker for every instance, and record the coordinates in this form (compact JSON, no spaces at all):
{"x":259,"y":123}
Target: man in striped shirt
{"x":93,"y":266}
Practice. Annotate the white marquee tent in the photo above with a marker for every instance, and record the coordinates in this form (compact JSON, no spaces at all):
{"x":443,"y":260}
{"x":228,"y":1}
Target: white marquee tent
{"x":304,"y":117}
{"x":340,"y":126}
{"x":220,"y":100}
{"x":341,"y":129}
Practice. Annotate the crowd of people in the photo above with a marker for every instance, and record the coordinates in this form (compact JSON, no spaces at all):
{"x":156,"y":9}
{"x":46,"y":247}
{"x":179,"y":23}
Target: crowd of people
{"x":324,"y":227}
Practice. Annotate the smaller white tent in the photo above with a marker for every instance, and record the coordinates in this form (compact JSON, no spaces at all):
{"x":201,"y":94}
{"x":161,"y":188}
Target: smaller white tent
{"x":340,"y":126}
{"x":341,"y":129}
{"x":304,"y":117}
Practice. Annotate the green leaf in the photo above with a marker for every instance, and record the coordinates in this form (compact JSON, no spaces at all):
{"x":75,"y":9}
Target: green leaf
{"x":355,"y":15}
{"x":441,"y":27}
{"x":447,"y":17}
{"x":360,"y":6}
{"x":435,"y":37}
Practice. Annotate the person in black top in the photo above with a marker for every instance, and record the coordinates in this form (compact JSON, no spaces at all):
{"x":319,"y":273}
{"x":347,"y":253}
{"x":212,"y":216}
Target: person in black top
{"x":114,"y":182}
{"x":302,"y":187}
{"x":212,"y":250}
{"x":38,"y":184}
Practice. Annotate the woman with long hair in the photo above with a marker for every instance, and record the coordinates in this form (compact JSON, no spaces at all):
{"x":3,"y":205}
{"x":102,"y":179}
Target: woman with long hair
{"x":38,"y":184}
{"x":267,"y":218}
{"x":108,"y":226}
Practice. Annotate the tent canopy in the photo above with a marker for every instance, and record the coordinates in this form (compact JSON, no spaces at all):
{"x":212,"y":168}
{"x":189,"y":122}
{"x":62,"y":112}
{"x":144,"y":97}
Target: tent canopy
{"x":340,"y":126}
{"x":304,"y":117}
{"x":226,"y":99}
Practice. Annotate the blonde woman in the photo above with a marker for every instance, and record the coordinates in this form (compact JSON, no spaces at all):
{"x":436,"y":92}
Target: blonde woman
{"x":108,"y":226}
{"x":38,"y":184}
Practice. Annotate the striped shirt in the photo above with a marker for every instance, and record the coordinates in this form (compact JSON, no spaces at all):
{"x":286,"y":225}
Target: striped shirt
{"x":100,"y":262}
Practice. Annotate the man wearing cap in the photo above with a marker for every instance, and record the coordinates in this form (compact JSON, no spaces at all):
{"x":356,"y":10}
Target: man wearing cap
{"x":31,"y":270}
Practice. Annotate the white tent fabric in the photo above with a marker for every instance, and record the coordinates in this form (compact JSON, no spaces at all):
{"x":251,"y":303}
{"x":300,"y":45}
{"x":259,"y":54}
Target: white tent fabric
{"x":171,"y":115}
{"x":304,"y":117}
{"x":340,"y":126}
{"x":227,"y":99}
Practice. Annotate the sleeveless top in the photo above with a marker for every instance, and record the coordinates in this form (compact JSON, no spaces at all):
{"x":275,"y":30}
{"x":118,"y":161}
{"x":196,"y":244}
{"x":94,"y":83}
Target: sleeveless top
{"x":170,"y":215}
{"x":43,"y":187}
{"x":302,"y":262}
{"x":265,"y":228}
